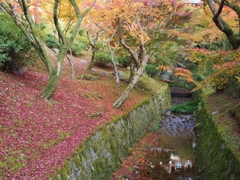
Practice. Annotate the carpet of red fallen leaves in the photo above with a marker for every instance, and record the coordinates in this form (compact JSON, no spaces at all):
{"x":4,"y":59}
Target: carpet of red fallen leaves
{"x":36,"y":135}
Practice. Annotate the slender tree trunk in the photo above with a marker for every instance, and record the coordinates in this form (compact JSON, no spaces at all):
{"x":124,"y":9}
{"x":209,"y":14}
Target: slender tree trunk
{"x":93,"y":46}
{"x":112,"y":52}
{"x":123,"y":97}
{"x":71,"y":63}
{"x":115,"y":70}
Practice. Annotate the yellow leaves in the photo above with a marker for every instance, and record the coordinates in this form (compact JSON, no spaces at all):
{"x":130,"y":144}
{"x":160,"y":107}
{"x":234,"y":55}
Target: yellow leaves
{"x":141,"y":36}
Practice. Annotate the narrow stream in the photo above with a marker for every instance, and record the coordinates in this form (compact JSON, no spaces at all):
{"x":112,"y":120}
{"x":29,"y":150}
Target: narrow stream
{"x":171,"y":157}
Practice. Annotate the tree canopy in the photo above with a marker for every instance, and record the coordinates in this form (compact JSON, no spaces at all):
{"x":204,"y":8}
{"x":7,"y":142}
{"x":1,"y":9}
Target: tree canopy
{"x":155,"y":32}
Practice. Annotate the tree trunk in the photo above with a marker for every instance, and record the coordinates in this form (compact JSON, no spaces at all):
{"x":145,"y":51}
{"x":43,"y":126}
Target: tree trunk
{"x":123,"y":97}
{"x":51,"y":86}
{"x":92,"y":59}
{"x":115,"y":70}
{"x":132,"y":70}
{"x":112,"y":53}
{"x":71,"y":63}
{"x":54,"y":78}
{"x":94,"y":48}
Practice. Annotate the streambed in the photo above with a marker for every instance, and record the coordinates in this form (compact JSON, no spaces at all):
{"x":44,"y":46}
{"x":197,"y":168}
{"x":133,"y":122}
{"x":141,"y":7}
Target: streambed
{"x":170,"y":155}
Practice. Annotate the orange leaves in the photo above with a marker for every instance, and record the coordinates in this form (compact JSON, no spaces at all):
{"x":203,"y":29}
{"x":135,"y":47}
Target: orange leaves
{"x":164,"y":68}
{"x":185,"y":73}
{"x":137,"y":18}
{"x":187,"y":77}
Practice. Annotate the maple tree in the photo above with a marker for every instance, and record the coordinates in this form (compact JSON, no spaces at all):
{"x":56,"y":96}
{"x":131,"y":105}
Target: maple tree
{"x":215,"y":68}
{"x":139,"y":26}
{"x":206,"y":47}
{"x":27,"y":19}
{"x":100,"y":24}
{"x":93,"y":36}
{"x":222,"y":10}
{"x":200,"y":32}
{"x":112,"y":53}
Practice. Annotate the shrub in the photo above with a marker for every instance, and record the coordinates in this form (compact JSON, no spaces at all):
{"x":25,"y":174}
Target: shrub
{"x":14,"y":47}
{"x":123,"y":61}
{"x":82,"y":39}
{"x":51,"y":41}
{"x":77,"y":47}
{"x":188,"y":107}
{"x":102,"y":59}
{"x":151,"y":70}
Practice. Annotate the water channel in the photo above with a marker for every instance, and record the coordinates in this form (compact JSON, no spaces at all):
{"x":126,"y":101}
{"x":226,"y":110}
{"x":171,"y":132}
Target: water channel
{"x":171,"y":157}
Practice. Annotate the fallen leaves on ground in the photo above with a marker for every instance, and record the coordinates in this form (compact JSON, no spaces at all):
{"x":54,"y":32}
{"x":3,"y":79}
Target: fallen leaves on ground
{"x":36,"y":135}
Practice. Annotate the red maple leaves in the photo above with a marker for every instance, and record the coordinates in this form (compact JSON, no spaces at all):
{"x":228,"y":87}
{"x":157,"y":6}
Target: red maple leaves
{"x":37,"y":136}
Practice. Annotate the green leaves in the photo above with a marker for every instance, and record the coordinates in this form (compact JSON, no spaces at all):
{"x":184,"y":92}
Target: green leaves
{"x":12,"y":41}
{"x":188,"y":107}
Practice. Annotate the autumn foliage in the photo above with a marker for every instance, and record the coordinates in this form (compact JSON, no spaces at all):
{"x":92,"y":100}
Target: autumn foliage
{"x":37,"y":135}
{"x":215,"y":68}
{"x":185,"y":73}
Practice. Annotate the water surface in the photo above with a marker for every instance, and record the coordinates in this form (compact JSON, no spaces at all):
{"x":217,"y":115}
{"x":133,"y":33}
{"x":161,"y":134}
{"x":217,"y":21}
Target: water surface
{"x":171,"y":157}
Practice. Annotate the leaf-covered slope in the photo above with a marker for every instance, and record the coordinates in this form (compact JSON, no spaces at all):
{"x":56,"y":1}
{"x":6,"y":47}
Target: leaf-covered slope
{"x":36,"y":135}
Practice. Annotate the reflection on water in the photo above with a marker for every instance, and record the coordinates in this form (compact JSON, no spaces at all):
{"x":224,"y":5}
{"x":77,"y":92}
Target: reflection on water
{"x":171,"y":157}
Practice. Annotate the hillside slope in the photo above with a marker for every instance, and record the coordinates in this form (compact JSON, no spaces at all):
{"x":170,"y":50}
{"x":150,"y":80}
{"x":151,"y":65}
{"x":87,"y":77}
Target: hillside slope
{"x":36,"y":136}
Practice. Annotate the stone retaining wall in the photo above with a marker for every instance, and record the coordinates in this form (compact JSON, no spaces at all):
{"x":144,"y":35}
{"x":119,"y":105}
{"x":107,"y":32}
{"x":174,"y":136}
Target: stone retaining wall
{"x":102,"y":153}
{"x":215,"y":158}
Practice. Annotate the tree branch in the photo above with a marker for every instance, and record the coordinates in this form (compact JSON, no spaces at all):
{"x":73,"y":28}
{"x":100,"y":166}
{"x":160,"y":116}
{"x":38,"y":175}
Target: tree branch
{"x":223,"y":25}
{"x":56,"y":22}
{"x":236,"y":8}
{"x":133,"y":53}
{"x":216,"y":15}
{"x":79,"y":18}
